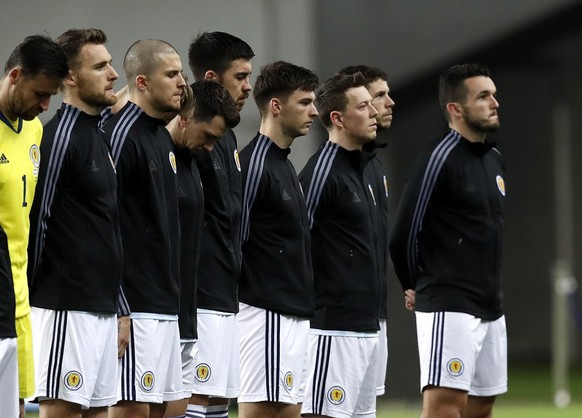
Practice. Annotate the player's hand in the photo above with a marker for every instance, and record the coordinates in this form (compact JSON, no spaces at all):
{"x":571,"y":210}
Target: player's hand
{"x":123,"y":330}
{"x":409,"y":299}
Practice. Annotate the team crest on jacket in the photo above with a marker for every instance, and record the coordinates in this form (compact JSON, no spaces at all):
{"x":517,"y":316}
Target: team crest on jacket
{"x":203,"y":372}
{"x":336,"y":395}
{"x":455,"y":367}
{"x":236,"y":159}
{"x":172,"y":158}
{"x":147,"y":381}
{"x":73,"y":380}
{"x":500,"y":185}
{"x":289,"y":380}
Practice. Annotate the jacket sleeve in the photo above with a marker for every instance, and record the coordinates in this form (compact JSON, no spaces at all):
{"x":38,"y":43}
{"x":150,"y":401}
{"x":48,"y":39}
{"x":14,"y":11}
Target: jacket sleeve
{"x":39,"y":215}
{"x":5,"y":265}
{"x":126,"y":166}
{"x":7,"y":300}
{"x":406,"y":225}
{"x":251,"y":179}
{"x":313,"y":200}
{"x":123,"y":308}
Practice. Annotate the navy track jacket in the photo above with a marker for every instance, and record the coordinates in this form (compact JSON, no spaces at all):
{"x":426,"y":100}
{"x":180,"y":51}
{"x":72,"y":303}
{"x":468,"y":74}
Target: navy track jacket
{"x":341,"y":208}
{"x":447,"y":237}
{"x":75,"y":250}
{"x":276,"y":269}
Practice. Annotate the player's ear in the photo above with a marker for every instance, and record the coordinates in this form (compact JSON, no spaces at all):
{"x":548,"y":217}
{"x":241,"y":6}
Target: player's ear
{"x":141,"y":82}
{"x":336,"y":118}
{"x":455,"y":109}
{"x":182,"y":121}
{"x":70,"y":79}
{"x":275,"y":106}
{"x":15,"y":74}
{"x":211,"y":75}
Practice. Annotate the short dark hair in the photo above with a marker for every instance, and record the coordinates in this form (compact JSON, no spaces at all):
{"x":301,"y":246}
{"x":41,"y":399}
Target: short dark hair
{"x":143,"y":58}
{"x":370,"y":74}
{"x":452,"y":83}
{"x":331,"y":95}
{"x":280,"y":79}
{"x":212,"y":99}
{"x":216,"y":51}
{"x":74,"y":39}
{"x":39,"y":54}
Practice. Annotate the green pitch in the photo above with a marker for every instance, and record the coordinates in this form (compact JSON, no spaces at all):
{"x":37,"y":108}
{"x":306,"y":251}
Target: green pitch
{"x":529,"y":396}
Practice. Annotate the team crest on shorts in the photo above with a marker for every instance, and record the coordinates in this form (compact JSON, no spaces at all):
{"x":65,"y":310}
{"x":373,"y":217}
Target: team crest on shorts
{"x":236,"y":159}
{"x":203,"y":372}
{"x":147,"y":381}
{"x":289,"y":380}
{"x":73,"y":380}
{"x":172,"y":158}
{"x":455,"y":367}
{"x":500,"y":184}
{"x":336,"y":395}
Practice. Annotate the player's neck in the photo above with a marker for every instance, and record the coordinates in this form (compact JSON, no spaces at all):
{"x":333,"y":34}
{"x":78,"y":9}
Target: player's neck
{"x":149,"y":108}
{"x":4,"y":105}
{"x":344,"y":140}
{"x":176,"y":132}
{"x":275,"y":134}
{"x":468,"y":133}
{"x":75,"y":100}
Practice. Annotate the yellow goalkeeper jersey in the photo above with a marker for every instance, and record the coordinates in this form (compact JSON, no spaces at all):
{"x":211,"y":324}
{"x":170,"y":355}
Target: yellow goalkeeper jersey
{"x":19,"y":163}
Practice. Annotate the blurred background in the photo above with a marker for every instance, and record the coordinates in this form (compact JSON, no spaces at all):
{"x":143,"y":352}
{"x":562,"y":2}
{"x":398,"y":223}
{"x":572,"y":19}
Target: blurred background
{"x":533,"y":49}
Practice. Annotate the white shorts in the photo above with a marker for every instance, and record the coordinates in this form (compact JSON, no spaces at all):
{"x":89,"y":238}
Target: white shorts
{"x":151,"y":368}
{"x":461,"y":351}
{"x":342,"y":374}
{"x":217,"y":362}
{"x":382,"y":358}
{"x":76,"y":356}
{"x":9,"y":378}
{"x":188,"y":350}
{"x":273,"y":356}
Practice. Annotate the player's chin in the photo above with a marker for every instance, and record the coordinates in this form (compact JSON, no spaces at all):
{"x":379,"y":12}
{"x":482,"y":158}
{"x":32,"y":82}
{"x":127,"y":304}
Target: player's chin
{"x":109,"y":100}
{"x":30,"y":115}
{"x":209,"y":146}
{"x":385,"y":124}
{"x":491,"y":126}
{"x":172,"y":107}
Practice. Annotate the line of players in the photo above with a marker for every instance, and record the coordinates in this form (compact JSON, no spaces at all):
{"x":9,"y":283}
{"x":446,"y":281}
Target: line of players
{"x":161,"y":259}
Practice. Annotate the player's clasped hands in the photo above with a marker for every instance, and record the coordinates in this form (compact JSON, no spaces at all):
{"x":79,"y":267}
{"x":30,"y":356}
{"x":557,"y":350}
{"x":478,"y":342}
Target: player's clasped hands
{"x":409,"y":299}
